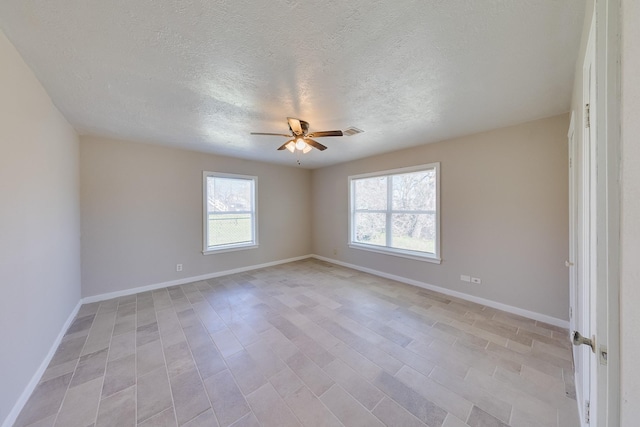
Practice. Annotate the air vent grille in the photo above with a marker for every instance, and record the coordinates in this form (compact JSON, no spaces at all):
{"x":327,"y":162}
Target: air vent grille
{"x":350,"y":131}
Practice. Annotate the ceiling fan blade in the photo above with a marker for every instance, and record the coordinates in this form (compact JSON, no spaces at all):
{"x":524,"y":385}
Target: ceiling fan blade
{"x":325,"y":133}
{"x":283,"y":146}
{"x":265,"y":133}
{"x":315,"y":144}
{"x":295,"y":125}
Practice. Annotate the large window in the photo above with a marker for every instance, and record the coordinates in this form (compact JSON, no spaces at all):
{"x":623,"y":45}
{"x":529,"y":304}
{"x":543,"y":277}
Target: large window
{"x":397,"y":212}
{"x":229,"y":212}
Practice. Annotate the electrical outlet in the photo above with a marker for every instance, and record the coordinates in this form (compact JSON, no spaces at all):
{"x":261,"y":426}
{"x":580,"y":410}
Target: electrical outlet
{"x":465,"y":278}
{"x":178,"y":267}
{"x":476,"y":280}
{"x":335,"y":251}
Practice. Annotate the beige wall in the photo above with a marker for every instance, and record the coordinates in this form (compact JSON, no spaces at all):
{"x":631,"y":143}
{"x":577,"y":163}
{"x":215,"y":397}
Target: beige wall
{"x":142,"y":214}
{"x":630,"y":218}
{"x":504,"y":215}
{"x":39,"y":225}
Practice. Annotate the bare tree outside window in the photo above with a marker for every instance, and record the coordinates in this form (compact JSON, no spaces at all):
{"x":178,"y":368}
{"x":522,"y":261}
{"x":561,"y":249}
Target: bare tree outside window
{"x":396,"y":210}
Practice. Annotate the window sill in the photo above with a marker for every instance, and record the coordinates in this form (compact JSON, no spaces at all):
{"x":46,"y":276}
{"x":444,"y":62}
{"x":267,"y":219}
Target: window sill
{"x":397,"y":252}
{"x":229,"y":248}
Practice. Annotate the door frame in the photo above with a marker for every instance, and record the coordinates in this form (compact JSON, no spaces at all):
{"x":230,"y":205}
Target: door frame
{"x":583,"y":215}
{"x":586,"y":198}
{"x":573,"y":220}
{"x":590,"y":219}
{"x":608,"y":137}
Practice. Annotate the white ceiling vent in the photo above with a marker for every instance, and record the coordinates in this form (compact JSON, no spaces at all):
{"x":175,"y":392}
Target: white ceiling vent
{"x":352,"y":131}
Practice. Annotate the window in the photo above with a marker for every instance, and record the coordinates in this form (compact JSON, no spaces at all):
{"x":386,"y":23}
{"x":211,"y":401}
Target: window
{"x":229,"y":212}
{"x":397,"y":212}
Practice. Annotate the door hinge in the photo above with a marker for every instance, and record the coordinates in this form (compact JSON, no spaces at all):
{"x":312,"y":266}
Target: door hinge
{"x":587,"y":410}
{"x":587,"y":116}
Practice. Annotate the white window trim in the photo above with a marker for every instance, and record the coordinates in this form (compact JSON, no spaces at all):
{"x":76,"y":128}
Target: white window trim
{"x":207,"y":250}
{"x":415,"y":255}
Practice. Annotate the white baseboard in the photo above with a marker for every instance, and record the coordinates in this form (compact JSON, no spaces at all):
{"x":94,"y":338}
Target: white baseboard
{"x":35,"y":379}
{"x":185,"y":280}
{"x":489,"y":303}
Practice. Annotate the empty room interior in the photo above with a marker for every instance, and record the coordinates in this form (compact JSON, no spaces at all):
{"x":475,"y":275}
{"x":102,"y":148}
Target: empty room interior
{"x":319,"y":213}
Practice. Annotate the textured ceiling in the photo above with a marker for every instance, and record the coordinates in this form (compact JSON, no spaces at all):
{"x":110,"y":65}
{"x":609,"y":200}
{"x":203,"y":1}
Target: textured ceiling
{"x":203,"y":74}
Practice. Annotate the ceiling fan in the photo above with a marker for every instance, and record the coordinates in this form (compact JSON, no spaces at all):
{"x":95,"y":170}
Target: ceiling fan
{"x":301,"y":138}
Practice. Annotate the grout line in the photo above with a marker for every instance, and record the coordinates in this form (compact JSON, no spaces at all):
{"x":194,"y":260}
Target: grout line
{"x":510,"y":414}
{"x":166,"y":368}
{"x":214,"y":344}
{"x":77,"y":363}
{"x":194,"y":361}
{"x":106,"y":363}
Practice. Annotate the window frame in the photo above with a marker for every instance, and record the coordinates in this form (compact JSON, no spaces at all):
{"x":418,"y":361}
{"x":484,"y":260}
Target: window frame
{"x":209,"y":250}
{"x":404,"y":253}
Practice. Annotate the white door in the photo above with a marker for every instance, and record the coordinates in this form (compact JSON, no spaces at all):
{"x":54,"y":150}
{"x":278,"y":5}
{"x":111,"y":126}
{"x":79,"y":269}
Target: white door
{"x":582,"y":181}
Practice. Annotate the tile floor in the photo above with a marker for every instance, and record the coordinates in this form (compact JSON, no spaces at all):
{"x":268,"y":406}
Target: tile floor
{"x":306,"y":343}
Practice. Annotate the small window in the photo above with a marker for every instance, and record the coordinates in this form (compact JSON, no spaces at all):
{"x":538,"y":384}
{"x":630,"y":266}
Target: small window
{"x":397,"y":212}
{"x":229,"y":212}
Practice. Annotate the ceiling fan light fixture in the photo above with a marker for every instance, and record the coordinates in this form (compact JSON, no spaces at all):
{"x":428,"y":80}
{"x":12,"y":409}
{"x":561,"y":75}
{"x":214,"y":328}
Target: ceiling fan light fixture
{"x":291,"y":146}
{"x":301,"y":138}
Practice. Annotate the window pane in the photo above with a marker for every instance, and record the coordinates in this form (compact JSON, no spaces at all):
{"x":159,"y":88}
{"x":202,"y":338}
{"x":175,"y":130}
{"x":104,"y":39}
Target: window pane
{"x":227,"y":228}
{"x":414,"y":191}
{"x":228,"y":194}
{"x":416,"y":232}
{"x":371,"y":193}
{"x":397,"y":212}
{"x":230,"y":211}
{"x":370,"y":228}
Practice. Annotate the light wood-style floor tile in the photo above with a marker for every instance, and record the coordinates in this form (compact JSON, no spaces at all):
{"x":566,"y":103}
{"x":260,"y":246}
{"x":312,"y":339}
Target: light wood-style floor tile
{"x":347,"y":409}
{"x":306,"y":343}
{"x":269,"y":408}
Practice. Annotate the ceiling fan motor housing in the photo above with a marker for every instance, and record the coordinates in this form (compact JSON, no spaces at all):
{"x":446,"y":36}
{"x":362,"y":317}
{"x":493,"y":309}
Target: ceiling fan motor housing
{"x":305,"y":128}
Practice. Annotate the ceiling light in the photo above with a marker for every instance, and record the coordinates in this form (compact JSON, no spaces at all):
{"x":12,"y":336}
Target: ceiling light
{"x":306,"y":149}
{"x":300,"y":144}
{"x":291,"y":146}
